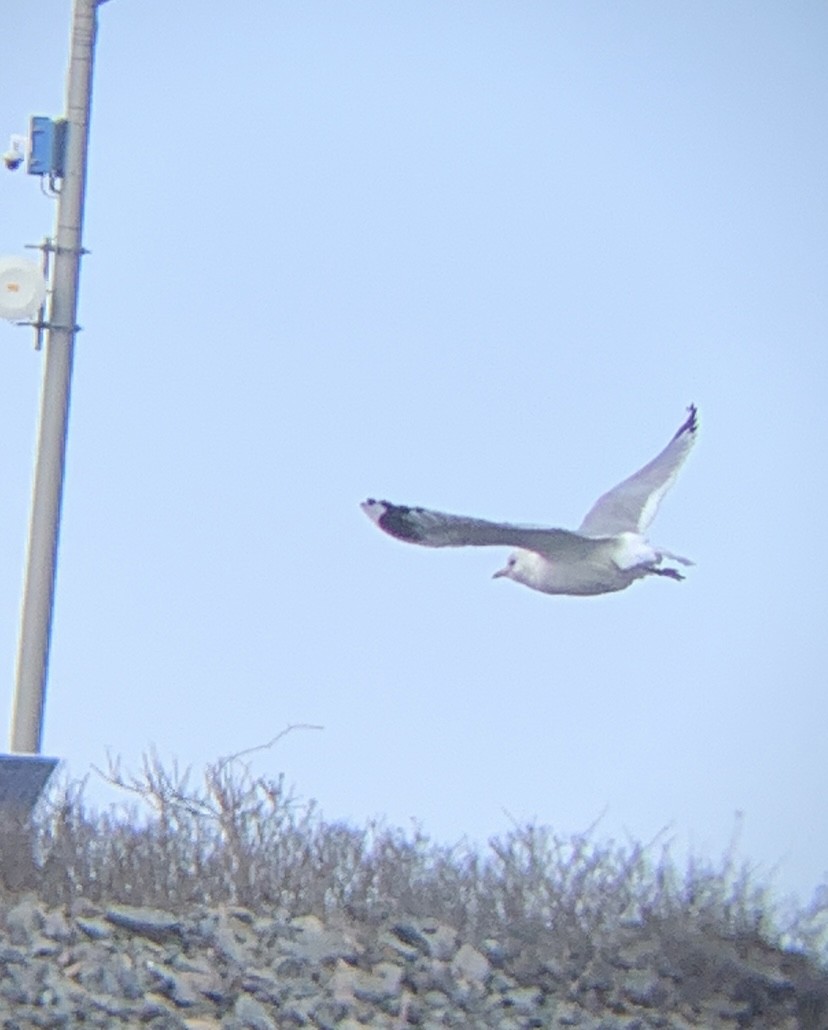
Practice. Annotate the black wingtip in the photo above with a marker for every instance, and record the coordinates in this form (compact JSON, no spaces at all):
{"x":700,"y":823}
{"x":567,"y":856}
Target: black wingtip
{"x":690,"y":424}
{"x":394,"y":519}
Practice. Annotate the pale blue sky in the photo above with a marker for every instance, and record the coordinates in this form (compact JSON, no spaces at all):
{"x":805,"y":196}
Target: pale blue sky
{"x":479,"y":257}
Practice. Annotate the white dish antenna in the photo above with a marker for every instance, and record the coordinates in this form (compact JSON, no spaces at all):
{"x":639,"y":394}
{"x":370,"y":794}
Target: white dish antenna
{"x":22,"y":288}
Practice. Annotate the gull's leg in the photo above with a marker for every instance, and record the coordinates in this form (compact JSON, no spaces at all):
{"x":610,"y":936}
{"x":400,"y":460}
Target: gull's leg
{"x":671,"y":573}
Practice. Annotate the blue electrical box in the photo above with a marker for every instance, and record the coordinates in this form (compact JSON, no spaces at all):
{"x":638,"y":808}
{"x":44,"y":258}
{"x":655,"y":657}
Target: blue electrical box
{"x":41,"y":145}
{"x":47,"y":146}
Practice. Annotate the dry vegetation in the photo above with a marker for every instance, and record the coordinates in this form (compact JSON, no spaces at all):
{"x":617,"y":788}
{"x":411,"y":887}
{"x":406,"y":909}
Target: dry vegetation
{"x":235,"y":838}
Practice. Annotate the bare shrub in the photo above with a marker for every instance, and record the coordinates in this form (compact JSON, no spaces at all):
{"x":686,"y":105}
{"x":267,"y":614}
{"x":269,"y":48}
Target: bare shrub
{"x":233,"y":837}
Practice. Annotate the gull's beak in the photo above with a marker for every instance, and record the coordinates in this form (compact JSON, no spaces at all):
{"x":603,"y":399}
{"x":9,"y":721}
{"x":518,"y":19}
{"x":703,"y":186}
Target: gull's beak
{"x":501,"y":572}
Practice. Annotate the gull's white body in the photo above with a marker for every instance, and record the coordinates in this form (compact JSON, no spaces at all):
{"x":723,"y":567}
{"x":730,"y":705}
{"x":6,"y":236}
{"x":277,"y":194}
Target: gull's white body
{"x":607,"y":553}
{"x":613,"y":563}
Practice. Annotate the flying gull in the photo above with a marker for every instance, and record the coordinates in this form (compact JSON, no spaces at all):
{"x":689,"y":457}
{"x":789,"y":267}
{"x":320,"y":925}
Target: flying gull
{"x":608,"y":552}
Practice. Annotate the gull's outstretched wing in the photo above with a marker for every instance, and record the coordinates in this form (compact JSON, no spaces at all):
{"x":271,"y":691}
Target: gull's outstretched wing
{"x":631,"y":506}
{"x":437,"y":529}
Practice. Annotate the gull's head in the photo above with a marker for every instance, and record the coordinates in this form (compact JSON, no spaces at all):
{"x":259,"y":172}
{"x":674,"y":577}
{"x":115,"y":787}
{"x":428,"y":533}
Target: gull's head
{"x":520,"y":566}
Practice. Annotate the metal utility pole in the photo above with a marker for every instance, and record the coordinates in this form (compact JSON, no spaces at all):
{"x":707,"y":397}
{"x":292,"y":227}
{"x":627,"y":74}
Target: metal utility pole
{"x":39,"y":586}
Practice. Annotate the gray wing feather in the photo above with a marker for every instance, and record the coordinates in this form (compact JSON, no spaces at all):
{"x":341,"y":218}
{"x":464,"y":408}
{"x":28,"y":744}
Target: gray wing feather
{"x":438,"y":529}
{"x":632,"y":505}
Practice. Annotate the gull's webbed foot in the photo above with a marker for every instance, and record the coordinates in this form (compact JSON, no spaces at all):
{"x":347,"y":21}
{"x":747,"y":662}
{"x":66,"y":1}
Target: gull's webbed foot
{"x":670,"y":573}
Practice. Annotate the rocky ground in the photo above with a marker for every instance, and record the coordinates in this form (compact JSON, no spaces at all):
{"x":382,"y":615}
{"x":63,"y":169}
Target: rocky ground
{"x":112,"y":966}
{"x":231,"y":904}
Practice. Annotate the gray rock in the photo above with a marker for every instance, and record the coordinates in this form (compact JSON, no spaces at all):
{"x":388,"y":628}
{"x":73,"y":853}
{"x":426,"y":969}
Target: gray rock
{"x":392,"y":946}
{"x":645,"y":989}
{"x":154,"y":923}
{"x":598,"y":977}
{"x":229,"y":946}
{"x":155,"y":1015}
{"x":12,"y":956}
{"x":319,"y":945}
{"x":500,"y":983}
{"x":23,"y":921}
{"x":296,"y":1012}
{"x":262,"y":984}
{"x":468,"y":964}
{"x":436,"y":999}
{"x":185,"y":989}
{"x":525,"y":1000}
{"x":249,"y":1014}
{"x":56,"y":926}
{"x":109,"y":974}
{"x":292,"y":968}
{"x":409,"y":934}
{"x":129,"y":981}
{"x":244,"y":915}
{"x":383,"y":983}
{"x":96,"y":929}
{"x":569,"y":1014}
{"x":494,"y":952}
{"x":242,"y":970}
{"x":443,"y":941}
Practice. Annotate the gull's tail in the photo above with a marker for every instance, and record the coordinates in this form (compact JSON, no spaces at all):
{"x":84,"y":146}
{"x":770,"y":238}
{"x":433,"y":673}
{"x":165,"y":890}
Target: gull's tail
{"x":674,"y":557}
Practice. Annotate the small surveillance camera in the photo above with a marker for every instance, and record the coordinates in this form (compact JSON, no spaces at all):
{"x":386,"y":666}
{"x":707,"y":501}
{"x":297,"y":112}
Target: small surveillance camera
{"x":16,"y":154}
{"x":13,"y":159}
